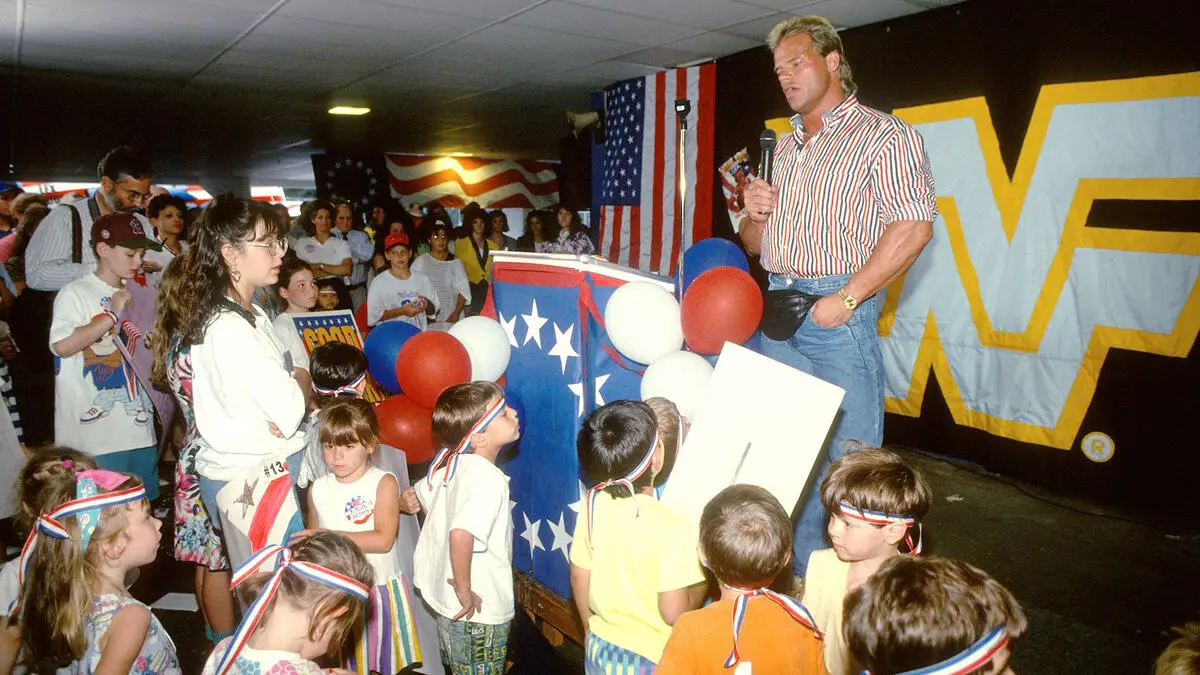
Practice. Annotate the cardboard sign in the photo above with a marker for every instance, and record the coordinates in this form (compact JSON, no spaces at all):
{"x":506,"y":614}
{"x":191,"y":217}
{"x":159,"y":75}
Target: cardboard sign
{"x":760,"y":422}
{"x":317,"y":328}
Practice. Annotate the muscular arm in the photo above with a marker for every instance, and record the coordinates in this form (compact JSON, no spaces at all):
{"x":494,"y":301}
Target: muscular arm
{"x":897,"y":250}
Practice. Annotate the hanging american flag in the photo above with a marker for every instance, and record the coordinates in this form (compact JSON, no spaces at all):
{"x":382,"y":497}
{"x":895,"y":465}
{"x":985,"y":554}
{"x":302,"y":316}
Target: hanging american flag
{"x":640,"y":224}
{"x":455,"y":181}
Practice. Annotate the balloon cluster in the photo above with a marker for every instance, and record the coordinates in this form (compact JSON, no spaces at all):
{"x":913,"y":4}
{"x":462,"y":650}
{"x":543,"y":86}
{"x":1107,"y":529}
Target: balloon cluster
{"x":416,"y":367}
{"x":718,"y":302}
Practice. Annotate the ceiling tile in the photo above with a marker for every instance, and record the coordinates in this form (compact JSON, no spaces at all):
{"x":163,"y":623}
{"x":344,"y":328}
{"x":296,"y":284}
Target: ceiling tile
{"x":408,"y":20}
{"x":695,"y":13}
{"x":491,"y":9}
{"x":715,"y":44}
{"x":574,"y":19}
{"x":661,"y":57}
{"x":850,"y":13}
{"x":757,"y":29}
{"x":510,"y":38}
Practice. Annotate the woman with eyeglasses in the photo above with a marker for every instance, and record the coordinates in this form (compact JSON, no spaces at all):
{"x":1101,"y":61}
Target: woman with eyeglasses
{"x":245,"y":398}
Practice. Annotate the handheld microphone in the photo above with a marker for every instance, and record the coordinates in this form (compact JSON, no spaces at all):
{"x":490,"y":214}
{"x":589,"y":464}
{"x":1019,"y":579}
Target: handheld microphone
{"x":767,"y":140}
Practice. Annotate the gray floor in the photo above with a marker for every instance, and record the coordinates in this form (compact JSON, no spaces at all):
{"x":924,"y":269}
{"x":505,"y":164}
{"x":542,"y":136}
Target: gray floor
{"x":1101,"y":592}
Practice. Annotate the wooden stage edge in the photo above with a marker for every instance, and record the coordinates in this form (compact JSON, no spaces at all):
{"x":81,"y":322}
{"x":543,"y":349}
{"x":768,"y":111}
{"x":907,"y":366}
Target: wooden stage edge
{"x":553,"y":614}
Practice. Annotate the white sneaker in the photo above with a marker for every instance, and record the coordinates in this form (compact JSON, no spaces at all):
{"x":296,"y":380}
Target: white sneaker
{"x":92,"y":415}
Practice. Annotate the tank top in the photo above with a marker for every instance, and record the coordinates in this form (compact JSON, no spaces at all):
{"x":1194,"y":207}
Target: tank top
{"x":350,"y":507}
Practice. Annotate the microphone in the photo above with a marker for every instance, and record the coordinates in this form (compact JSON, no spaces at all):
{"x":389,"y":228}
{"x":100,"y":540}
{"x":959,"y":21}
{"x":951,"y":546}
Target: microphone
{"x":767,"y":140}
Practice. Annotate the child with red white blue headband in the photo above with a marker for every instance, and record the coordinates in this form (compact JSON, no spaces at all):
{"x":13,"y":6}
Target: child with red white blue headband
{"x":360,"y":500}
{"x":75,"y":611}
{"x":303,"y":601}
{"x":932,"y":616}
{"x":463,"y":561}
{"x":746,"y":540}
{"x":634,"y":568}
{"x":876,"y":501}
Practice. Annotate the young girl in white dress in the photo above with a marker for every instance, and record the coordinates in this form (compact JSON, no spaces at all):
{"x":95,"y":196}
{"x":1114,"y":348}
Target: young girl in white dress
{"x":364,"y":503}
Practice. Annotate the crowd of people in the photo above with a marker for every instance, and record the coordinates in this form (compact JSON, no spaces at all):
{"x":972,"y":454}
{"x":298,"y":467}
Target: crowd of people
{"x":314,"y":549}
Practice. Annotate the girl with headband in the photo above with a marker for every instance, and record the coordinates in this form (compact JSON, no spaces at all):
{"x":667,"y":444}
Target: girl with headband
{"x":42,"y":469}
{"x":302,"y":601}
{"x":337,"y":370}
{"x":73,"y":567}
{"x":876,"y":501}
{"x":364,"y":503}
{"x":634,"y":568}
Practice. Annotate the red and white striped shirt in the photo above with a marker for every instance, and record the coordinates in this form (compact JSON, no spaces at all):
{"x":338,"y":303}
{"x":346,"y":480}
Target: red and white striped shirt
{"x":841,"y":187}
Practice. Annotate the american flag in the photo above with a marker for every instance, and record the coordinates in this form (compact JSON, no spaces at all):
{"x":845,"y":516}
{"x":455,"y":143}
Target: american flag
{"x":455,"y":181}
{"x":560,"y":371}
{"x":640,"y":225}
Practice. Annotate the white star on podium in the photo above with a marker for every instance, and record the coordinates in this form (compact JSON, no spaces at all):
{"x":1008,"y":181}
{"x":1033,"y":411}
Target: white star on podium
{"x":562,"y":346}
{"x":531,"y":534}
{"x":577,"y":389}
{"x":562,"y":538}
{"x":533,"y":324}
{"x":600,"y":380}
{"x":510,"y":327}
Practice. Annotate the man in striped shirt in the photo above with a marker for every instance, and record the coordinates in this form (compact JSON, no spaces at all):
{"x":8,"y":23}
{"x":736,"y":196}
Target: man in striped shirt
{"x":850,"y":210}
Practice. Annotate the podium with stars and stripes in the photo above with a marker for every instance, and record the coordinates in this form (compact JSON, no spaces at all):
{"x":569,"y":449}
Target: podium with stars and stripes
{"x":563,"y":367}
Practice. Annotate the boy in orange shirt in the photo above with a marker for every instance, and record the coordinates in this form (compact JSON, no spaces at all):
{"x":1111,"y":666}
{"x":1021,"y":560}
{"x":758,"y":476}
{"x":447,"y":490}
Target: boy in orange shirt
{"x":746,"y":540}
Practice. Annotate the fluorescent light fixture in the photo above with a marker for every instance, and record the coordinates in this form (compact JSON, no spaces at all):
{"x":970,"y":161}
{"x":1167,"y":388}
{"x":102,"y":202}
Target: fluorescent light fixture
{"x":348,"y":110}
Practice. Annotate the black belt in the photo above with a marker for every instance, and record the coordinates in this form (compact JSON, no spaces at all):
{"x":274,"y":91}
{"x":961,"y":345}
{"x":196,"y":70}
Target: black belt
{"x":350,"y":288}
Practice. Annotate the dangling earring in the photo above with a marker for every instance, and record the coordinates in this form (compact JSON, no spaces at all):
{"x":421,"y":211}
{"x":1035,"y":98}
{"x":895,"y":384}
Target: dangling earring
{"x":235,"y":274}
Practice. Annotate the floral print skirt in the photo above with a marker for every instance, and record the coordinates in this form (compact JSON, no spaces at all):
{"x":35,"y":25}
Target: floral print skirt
{"x":195,"y":539}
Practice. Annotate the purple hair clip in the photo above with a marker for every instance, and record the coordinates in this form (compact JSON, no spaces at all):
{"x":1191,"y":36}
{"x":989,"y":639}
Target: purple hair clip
{"x":67,"y":464}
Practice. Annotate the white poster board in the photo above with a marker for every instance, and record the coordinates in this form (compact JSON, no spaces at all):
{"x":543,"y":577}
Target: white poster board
{"x":760,"y":422}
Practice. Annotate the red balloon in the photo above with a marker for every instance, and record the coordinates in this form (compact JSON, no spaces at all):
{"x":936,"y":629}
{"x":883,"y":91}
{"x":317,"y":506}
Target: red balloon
{"x":430,"y":362}
{"x":722,"y":305}
{"x":407,"y":426}
{"x":360,"y":320}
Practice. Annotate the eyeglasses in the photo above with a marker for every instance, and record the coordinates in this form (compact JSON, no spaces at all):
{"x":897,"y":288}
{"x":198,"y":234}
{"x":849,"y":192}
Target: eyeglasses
{"x":438,"y":235}
{"x":274,"y":247}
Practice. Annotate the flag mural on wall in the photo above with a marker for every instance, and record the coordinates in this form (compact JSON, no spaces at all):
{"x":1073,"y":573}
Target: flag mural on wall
{"x":358,"y":179}
{"x":455,"y":181}
{"x":559,"y":372}
{"x":640,"y":223}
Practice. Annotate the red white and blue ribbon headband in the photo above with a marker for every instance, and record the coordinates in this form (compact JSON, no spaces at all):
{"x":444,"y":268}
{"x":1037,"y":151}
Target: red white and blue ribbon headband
{"x":968,"y":660}
{"x":792,"y":606}
{"x":626,"y":480}
{"x":881,"y":518}
{"x":86,"y":509}
{"x":450,"y":456}
{"x":348,"y":390}
{"x":262,"y":603}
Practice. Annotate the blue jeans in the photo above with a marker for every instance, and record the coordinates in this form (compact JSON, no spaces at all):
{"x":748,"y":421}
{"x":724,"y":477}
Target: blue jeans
{"x":847,"y":356}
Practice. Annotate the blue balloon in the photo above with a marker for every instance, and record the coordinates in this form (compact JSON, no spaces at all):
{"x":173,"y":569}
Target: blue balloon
{"x":703,"y":256}
{"x":382,"y":347}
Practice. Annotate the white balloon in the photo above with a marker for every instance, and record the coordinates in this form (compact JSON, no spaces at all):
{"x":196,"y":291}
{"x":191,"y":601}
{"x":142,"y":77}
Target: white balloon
{"x":487,"y":345}
{"x":679,"y":377}
{"x":642,"y":320}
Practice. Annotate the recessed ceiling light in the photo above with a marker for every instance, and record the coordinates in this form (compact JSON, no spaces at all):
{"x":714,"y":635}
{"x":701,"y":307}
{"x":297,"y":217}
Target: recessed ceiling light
{"x":348,"y":110}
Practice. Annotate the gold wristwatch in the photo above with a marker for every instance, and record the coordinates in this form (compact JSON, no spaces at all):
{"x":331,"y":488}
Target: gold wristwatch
{"x":848,"y":300}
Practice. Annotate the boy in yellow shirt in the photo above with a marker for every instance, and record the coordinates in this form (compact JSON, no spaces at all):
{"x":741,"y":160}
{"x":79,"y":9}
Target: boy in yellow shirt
{"x":634,"y":567}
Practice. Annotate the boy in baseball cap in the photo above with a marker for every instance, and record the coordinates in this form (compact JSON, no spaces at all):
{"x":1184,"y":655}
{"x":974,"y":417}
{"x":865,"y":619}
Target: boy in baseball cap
{"x":99,"y":406}
{"x":400,"y":294}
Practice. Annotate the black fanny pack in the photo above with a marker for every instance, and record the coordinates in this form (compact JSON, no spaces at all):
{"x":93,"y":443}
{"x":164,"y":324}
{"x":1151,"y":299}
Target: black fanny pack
{"x":783,"y":312}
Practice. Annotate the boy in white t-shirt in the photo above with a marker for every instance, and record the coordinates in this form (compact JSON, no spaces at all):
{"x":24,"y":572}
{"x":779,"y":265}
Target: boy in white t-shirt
{"x":467,"y":537}
{"x":99,"y":406}
{"x":400,"y":294}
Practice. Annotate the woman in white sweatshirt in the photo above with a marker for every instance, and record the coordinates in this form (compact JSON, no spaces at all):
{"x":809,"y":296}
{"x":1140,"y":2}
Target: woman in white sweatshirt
{"x":248,"y":406}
